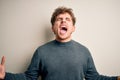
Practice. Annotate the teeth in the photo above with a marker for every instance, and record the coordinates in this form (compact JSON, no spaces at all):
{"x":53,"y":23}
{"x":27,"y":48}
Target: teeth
{"x":63,"y":26}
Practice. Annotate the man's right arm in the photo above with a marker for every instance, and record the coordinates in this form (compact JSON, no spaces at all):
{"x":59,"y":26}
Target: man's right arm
{"x":8,"y":76}
{"x":32,"y":72}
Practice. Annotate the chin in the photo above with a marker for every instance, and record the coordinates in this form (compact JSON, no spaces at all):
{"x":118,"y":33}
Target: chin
{"x":63,"y":37}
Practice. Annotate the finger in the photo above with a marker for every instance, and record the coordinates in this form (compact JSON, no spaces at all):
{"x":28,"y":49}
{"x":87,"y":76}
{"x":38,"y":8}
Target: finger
{"x":3,"y":60}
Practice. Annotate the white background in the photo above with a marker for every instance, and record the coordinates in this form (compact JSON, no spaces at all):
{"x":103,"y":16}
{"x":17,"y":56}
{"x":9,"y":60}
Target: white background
{"x":25,"y":25}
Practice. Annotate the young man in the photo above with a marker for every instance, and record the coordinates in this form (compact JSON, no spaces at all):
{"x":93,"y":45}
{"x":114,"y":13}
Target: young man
{"x":62,"y":58}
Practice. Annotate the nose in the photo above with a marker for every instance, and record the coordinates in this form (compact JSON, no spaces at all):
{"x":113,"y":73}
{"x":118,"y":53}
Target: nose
{"x":63,"y":21}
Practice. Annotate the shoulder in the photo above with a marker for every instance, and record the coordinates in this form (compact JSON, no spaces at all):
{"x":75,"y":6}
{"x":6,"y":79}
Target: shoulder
{"x":78,"y":44}
{"x":81,"y":47}
{"x":44,"y":48}
{"x":46,"y":45}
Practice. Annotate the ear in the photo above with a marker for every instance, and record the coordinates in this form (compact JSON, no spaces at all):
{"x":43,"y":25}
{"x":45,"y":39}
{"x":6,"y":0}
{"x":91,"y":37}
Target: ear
{"x":52,"y":29}
{"x":73,"y":28}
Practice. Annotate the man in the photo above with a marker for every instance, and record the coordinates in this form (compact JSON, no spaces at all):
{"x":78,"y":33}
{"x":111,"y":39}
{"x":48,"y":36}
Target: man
{"x":62,"y":58}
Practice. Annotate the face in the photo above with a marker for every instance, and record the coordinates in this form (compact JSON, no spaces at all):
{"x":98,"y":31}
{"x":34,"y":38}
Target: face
{"x":63,"y":27}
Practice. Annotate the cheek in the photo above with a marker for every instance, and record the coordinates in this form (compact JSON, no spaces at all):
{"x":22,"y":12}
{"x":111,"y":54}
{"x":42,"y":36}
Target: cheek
{"x":56,"y":26}
{"x":72,"y":28}
{"x":54,"y":29}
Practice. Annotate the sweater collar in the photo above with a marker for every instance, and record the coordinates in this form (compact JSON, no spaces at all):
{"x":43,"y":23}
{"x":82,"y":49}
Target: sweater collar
{"x":63,"y":43}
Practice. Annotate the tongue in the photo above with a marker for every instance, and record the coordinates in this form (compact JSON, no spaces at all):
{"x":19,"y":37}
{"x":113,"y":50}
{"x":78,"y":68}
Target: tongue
{"x":62,"y":31}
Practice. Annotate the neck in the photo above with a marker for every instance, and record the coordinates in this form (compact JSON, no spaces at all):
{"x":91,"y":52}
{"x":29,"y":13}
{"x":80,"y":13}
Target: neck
{"x":63,"y":40}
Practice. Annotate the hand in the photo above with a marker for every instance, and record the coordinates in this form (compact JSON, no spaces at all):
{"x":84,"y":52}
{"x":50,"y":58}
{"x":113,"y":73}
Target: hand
{"x":2,"y":68}
{"x":118,"y":77}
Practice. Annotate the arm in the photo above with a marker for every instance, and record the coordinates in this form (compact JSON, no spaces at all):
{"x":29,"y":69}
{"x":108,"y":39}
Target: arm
{"x":31,"y":74}
{"x":33,"y":70}
{"x":92,"y":74}
{"x":4,"y":75}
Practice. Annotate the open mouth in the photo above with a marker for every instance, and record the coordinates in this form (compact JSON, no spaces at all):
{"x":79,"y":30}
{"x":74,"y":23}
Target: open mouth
{"x":63,"y":30}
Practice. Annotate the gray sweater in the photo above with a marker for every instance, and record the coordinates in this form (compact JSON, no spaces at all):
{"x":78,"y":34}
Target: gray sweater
{"x":60,"y":61}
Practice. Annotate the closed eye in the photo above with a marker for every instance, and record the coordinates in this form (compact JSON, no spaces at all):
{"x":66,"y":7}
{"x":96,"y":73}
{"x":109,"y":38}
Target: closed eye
{"x":59,"y":19}
{"x":68,"y":19}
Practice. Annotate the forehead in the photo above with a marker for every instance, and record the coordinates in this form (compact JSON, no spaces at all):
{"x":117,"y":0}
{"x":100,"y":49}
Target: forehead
{"x":63,"y":15}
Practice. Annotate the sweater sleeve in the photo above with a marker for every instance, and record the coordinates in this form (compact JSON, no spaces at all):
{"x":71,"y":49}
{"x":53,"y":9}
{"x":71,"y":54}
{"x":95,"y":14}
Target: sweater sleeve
{"x":32,"y":72}
{"x":92,"y":74}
